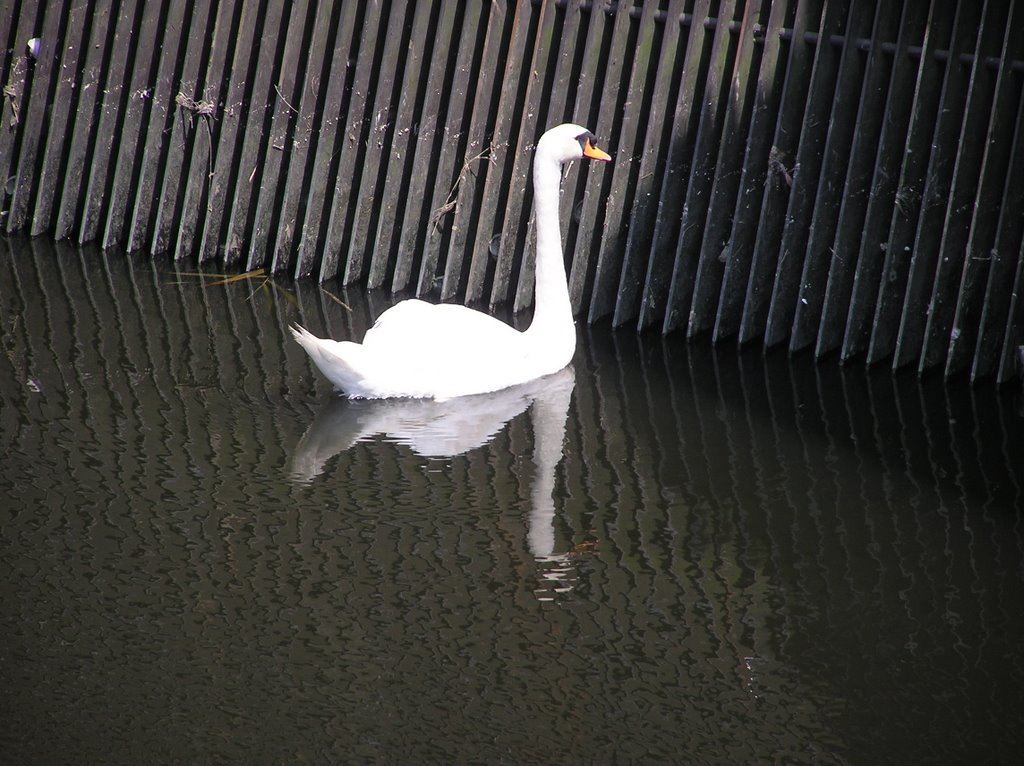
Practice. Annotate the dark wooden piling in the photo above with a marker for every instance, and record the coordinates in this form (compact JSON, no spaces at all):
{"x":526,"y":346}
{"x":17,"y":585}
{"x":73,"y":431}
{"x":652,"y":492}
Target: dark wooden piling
{"x":840,"y":176}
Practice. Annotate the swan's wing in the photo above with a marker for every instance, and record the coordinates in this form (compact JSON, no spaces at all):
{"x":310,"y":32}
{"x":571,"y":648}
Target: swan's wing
{"x":444,"y":333}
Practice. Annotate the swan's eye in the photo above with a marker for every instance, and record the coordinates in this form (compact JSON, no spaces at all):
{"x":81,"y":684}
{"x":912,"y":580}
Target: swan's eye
{"x":585,"y":139}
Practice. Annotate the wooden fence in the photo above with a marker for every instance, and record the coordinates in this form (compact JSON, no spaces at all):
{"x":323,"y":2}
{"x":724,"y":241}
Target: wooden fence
{"x":841,"y":176}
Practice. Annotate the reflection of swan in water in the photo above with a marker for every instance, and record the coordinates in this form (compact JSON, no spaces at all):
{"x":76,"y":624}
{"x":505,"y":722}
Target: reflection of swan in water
{"x":448,"y":428}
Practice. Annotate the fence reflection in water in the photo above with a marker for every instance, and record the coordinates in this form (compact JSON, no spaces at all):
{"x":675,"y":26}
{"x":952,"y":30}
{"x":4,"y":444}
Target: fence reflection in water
{"x":738,"y":557}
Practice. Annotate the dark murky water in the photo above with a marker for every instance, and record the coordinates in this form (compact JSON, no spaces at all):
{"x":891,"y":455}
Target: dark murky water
{"x":667,"y":556}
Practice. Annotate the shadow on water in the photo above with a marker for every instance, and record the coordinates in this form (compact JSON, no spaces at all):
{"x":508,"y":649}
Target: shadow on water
{"x":662,"y":555}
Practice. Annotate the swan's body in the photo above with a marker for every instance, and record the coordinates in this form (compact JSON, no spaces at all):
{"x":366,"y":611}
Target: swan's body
{"x":441,"y":351}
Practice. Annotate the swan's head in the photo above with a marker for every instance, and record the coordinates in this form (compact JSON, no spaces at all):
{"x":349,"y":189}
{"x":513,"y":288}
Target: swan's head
{"x":568,"y":142}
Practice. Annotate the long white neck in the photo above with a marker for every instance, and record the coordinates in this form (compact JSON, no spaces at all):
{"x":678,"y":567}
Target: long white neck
{"x":552,"y":309}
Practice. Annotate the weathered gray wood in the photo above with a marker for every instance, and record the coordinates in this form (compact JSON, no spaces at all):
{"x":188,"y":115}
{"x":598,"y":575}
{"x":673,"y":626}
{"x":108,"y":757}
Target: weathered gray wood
{"x":83,"y":134}
{"x":329,"y":144}
{"x":393,"y":195}
{"x":159,"y":122}
{"x":935,"y":194}
{"x":770,"y":79}
{"x":429,"y":227}
{"x":807,"y":171}
{"x":779,"y":177}
{"x":381,"y":133}
{"x":977,"y":182}
{"x":139,"y":104}
{"x":823,"y":318}
{"x":354,"y":142}
{"x":62,"y":113}
{"x":1010,"y":230}
{"x":998,"y":194}
{"x":601,"y":178}
{"x":891,"y":287}
{"x":187,"y":92}
{"x":232,"y":113}
{"x":204,"y":130}
{"x":576,"y":182}
{"x":10,"y":50}
{"x":874,"y":233}
{"x":498,"y":167}
{"x":114,"y":86}
{"x":693,"y":219}
{"x":1010,"y":361}
{"x":843,"y":172}
{"x":282,"y":137}
{"x":554,"y":112}
{"x":249,"y":163}
{"x":306,"y":136}
{"x":518,"y":194}
{"x":34,"y":113}
{"x":435,"y":139}
{"x":15,"y":70}
{"x":468,"y":212}
{"x":625,"y":167}
{"x":715,"y":244}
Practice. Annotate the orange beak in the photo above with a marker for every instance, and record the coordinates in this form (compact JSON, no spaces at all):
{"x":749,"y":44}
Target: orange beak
{"x":589,"y":150}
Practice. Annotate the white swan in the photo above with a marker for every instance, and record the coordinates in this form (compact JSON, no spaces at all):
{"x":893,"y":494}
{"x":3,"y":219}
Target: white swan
{"x":442,"y":351}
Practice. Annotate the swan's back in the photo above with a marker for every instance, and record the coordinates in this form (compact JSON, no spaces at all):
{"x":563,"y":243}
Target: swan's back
{"x":419,"y":349}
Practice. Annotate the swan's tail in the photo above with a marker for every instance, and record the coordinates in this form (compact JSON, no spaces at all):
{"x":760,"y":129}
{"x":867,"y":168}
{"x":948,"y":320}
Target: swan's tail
{"x":338,"y":361}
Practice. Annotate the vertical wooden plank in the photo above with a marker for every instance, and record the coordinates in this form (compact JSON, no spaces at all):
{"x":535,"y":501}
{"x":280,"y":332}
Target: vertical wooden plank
{"x":652,"y":166}
{"x":425,"y":227}
{"x":693,"y":216}
{"x":437,"y":140}
{"x":779,"y":178}
{"x":477,"y":157}
{"x":891,"y":286}
{"x":822,"y":98}
{"x":715,"y":244}
{"x":972,"y":209}
{"x":226,"y":156}
{"x":211,"y":91}
{"x":329,"y":142}
{"x":937,"y":182}
{"x":996,"y":302}
{"x":585,"y":112}
{"x":258,"y":90}
{"x":354,"y":141}
{"x":595,"y":202}
{"x":33,"y":114}
{"x":673,"y":189}
{"x":518,"y":197}
{"x":188,"y":124}
{"x":161,"y":93}
{"x":289,"y":72}
{"x":996,"y":189}
{"x":115,"y":82}
{"x":832,"y":302}
{"x":860,"y":88}
{"x":312,"y":91}
{"x":11,"y":11}
{"x":409,"y":84}
{"x":382,"y":130}
{"x":61,"y":124}
{"x":1011,"y":357}
{"x":770,"y":79}
{"x":899,"y":109}
{"x":554,"y":112}
{"x":139,"y":104}
{"x":16,"y":73}
{"x":499,"y":164}
{"x":624,"y":165}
